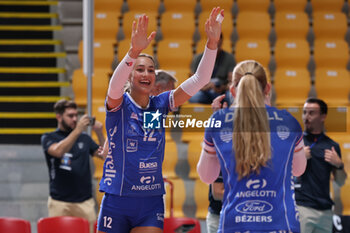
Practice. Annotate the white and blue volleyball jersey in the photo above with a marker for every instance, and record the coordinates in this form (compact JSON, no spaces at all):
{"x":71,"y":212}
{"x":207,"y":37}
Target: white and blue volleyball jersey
{"x":264,"y":202}
{"x":133,"y":166}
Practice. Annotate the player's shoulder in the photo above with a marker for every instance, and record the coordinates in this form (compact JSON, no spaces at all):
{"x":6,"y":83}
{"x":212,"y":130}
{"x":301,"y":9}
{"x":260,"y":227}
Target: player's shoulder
{"x":331,"y":141}
{"x":275,"y":113}
{"x":50,"y":134}
{"x":223,"y":114}
{"x":161,"y":99}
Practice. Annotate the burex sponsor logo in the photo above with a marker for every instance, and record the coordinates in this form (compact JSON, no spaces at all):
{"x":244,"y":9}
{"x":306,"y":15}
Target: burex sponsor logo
{"x":145,"y":165}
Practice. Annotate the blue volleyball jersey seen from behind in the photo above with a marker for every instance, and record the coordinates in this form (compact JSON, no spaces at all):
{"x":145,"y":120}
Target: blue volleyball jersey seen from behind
{"x":264,"y":202}
{"x":133,"y":166}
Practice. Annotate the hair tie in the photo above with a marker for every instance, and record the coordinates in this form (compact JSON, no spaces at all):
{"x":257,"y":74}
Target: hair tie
{"x":249,"y":73}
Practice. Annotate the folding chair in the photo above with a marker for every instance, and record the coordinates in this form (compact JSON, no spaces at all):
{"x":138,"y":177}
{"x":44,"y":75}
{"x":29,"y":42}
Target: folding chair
{"x":64,"y":224}
{"x":14,"y":225}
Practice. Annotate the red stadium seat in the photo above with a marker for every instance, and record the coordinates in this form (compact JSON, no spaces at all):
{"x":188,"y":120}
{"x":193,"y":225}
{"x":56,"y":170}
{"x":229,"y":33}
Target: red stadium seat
{"x":189,"y":225}
{"x":64,"y":224}
{"x":14,"y":225}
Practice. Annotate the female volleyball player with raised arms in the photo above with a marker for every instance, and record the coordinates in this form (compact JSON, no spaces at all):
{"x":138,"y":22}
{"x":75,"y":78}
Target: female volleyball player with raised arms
{"x":132,"y":178}
{"x":258,"y":148}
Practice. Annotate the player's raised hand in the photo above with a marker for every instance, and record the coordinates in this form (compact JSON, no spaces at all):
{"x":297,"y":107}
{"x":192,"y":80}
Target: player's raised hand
{"x":213,"y":27}
{"x":139,"y":38}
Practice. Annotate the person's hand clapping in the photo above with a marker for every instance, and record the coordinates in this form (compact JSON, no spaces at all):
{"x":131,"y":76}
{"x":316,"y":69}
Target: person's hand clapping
{"x":213,"y":28}
{"x":139,"y":38}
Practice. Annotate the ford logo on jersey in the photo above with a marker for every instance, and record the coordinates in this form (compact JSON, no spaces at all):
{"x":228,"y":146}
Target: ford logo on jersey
{"x":254,"y":207}
{"x":151,"y":120}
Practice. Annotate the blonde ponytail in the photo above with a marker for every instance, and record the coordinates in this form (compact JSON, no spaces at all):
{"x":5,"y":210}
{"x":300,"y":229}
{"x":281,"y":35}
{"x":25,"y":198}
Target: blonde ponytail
{"x":251,"y":131}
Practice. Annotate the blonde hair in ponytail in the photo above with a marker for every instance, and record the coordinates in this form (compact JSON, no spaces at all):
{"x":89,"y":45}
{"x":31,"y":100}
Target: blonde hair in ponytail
{"x":251,"y":131}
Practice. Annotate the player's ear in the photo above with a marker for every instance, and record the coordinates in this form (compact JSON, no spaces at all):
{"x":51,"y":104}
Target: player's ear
{"x":233,"y":91}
